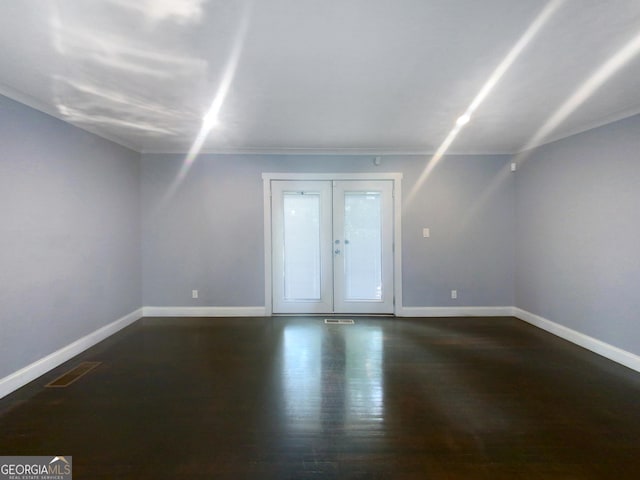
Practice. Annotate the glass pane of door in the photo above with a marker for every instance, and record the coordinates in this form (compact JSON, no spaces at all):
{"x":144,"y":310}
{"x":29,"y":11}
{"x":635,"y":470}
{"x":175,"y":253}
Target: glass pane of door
{"x":362,"y":246}
{"x":301,"y":246}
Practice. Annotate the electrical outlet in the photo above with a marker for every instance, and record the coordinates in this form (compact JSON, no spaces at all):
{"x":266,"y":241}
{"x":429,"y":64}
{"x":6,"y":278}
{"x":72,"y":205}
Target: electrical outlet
{"x":454,"y":294}
{"x":194,"y":293}
{"x":426,"y":233}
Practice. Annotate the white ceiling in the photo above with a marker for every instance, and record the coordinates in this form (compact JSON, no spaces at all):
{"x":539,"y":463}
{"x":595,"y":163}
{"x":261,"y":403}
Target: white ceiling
{"x":358,"y":76}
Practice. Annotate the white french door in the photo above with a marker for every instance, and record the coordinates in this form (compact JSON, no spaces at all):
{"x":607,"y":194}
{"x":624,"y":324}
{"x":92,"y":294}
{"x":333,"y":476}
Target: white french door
{"x":302,"y":265}
{"x":332,"y":246}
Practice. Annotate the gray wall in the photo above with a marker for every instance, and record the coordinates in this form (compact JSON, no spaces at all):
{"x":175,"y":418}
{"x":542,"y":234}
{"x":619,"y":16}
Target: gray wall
{"x":559,"y":238}
{"x":209,"y":234}
{"x":578,"y":233}
{"x":69,"y":234}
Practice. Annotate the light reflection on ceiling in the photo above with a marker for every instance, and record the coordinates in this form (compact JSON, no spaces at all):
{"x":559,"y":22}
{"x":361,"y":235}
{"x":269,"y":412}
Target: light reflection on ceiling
{"x":529,"y":35}
{"x":87,"y":93}
{"x":365,"y":76}
{"x":211,"y":119}
{"x":181,"y":11}
{"x":620,"y":59}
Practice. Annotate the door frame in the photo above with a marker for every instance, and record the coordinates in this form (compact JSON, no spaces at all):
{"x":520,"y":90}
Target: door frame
{"x":395,"y":177}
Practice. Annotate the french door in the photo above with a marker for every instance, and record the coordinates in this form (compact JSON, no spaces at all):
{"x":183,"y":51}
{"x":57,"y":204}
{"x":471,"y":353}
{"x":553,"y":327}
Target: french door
{"x":332,"y":246}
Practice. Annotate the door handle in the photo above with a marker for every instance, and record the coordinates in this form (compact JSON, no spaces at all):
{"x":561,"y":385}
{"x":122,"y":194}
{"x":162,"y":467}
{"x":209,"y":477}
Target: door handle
{"x":337,"y":251}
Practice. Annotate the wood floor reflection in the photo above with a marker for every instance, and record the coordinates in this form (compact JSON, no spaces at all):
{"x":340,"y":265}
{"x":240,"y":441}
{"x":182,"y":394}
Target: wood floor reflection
{"x":293,"y":398}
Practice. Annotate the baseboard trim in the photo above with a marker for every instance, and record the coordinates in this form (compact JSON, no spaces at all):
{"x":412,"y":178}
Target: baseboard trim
{"x":21,"y":377}
{"x":616,"y":354}
{"x":455,"y":312}
{"x":204,"y":311}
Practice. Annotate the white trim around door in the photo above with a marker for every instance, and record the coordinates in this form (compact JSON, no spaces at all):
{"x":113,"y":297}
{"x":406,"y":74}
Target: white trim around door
{"x":396,"y":178}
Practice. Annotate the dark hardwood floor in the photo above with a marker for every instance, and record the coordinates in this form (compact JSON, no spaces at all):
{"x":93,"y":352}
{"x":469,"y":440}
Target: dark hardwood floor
{"x":292,"y":398}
